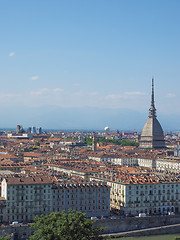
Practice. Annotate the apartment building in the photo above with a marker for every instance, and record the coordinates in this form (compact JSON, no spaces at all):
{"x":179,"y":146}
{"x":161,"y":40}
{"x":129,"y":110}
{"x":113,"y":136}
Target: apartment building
{"x":26,"y":196}
{"x":88,"y":197}
{"x":2,"y":209}
{"x":143,"y":194}
{"x":132,"y":160}
{"x":168,"y":164}
{"x":153,"y":198}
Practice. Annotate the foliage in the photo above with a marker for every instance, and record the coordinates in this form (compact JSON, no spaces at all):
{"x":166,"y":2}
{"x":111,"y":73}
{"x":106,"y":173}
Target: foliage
{"x":5,"y":238}
{"x":75,"y":138}
{"x":37,"y":144}
{"x":88,"y":141}
{"x":26,"y":149}
{"x":64,"y":226}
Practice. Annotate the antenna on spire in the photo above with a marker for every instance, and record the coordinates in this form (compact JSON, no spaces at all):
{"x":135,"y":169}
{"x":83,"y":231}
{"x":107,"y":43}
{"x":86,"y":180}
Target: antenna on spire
{"x":152,"y":96}
{"x":152,"y":110}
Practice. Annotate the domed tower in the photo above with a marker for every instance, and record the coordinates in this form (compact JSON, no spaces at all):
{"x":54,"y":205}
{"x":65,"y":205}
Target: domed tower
{"x":152,"y":134}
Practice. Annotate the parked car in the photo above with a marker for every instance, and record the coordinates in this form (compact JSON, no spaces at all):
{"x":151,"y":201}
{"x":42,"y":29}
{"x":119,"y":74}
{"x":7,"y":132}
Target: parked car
{"x":14,"y":223}
{"x":171,"y":213}
{"x":142,"y":214}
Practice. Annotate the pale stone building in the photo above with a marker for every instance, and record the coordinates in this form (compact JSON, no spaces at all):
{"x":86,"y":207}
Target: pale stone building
{"x":148,"y":194}
{"x":26,"y":197}
{"x":91,"y":198}
{"x":168,"y":164}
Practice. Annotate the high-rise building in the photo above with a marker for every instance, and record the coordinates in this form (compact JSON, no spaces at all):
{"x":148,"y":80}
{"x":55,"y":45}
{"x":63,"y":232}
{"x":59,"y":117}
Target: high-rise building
{"x":29,"y":129}
{"x":152,"y":134}
{"x":19,"y":129}
{"x":38,"y":130}
{"x":33,"y":129}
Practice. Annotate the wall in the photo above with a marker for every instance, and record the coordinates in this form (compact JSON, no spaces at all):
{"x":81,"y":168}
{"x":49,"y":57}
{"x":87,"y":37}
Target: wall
{"x":133,"y":223}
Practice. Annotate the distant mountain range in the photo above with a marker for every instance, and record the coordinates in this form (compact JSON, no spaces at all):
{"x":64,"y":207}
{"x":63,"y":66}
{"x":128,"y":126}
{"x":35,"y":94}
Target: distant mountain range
{"x":52,"y":117}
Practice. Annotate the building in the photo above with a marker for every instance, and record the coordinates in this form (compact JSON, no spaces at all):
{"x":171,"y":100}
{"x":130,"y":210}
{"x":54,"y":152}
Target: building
{"x":88,"y":197}
{"x":23,"y":196}
{"x":39,"y":130}
{"x":152,"y":134}
{"x":20,"y":135}
{"x":19,"y":129}
{"x":26,"y":196}
{"x":33,"y":130}
{"x":170,"y":164}
{"x":134,"y":194}
{"x":177,"y":150}
{"x":2,"y":209}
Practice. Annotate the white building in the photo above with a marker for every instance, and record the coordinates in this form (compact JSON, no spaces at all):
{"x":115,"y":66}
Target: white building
{"x":134,"y":195}
{"x":168,"y":164}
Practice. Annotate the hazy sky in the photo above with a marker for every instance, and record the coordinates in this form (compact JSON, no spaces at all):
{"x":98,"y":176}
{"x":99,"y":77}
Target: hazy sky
{"x":86,"y":64}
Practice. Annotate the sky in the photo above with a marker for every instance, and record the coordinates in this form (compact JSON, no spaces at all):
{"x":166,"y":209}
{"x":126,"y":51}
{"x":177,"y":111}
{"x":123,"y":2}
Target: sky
{"x":89,"y":64}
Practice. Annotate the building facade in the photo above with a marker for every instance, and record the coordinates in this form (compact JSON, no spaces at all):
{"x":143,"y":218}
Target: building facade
{"x":26,"y":197}
{"x":91,"y":198}
{"x":151,"y":197}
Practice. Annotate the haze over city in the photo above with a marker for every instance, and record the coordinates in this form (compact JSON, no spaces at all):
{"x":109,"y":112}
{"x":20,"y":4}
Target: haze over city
{"x":88,"y":64}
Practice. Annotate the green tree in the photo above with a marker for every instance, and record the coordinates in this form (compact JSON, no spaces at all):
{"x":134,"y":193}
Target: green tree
{"x":64,"y":226}
{"x":5,"y":238}
{"x":37,"y":144}
{"x":87,"y":140}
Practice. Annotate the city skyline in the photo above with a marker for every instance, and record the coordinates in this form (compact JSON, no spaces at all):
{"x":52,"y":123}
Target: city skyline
{"x":85,"y":65}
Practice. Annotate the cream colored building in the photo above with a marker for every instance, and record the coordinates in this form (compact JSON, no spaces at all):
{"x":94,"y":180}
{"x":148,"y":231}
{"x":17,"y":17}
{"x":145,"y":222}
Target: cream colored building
{"x":127,"y":161}
{"x":26,"y":197}
{"x":130,"y":197}
{"x":169,"y":164}
{"x":91,"y":198}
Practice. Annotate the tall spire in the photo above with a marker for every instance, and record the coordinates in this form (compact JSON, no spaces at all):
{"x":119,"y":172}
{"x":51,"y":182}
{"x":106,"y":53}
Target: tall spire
{"x":152,"y":109}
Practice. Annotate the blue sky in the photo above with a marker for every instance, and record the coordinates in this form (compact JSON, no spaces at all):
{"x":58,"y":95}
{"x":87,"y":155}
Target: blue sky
{"x":87,"y":64}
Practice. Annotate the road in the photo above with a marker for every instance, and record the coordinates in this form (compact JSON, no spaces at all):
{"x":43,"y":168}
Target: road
{"x":141,"y":230}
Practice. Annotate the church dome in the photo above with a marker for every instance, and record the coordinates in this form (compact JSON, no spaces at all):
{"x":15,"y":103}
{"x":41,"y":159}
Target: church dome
{"x":152,"y":135}
{"x":152,"y":128}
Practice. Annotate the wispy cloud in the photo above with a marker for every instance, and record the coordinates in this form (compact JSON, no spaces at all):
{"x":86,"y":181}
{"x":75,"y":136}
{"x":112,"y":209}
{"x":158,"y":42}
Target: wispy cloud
{"x":11,"y":54}
{"x":40,"y":92}
{"x":93,"y":93}
{"x":171,"y":95}
{"x":46,"y":91}
{"x":114,"y":96}
{"x":34,"y":78}
{"x":125,"y":95}
{"x":135,"y":93}
{"x":58,"y":90}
